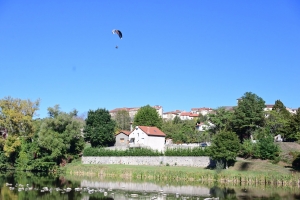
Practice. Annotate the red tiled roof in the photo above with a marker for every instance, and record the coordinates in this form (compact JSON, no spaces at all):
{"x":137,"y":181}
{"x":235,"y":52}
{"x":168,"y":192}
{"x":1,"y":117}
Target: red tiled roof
{"x":152,"y":130}
{"x":125,"y":132}
{"x":185,"y":114}
{"x":188,"y":114}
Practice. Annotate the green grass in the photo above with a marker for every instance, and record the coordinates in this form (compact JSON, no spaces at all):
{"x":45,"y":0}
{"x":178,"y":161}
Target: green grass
{"x":244,"y":172}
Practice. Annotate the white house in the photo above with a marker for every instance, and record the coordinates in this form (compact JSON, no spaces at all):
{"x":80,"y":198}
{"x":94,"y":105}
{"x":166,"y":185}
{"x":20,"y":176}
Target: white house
{"x":203,"y":111}
{"x":171,"y":115}
{"x":188,"y":115}
{"x":147,"y":136}
{"x":204,"y":126}
{"x":133,"y":111}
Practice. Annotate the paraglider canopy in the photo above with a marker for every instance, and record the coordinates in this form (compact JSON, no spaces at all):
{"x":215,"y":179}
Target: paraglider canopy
{"x":115,"y":31}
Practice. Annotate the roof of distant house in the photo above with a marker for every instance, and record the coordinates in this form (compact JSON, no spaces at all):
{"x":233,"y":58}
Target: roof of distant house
{"x":173,"y":112}
{"x":199,"y":109}
{"x":157,"y":107}
{"x":119,"y":109}
{"x":269,"y":105}
{"x":188,"y":114}
{"x":152,"y":130}
{"x":125,"y":132}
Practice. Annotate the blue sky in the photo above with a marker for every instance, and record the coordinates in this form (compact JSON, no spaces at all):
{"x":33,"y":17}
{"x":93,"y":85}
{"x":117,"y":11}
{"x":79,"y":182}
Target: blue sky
{"x":177,"y":54}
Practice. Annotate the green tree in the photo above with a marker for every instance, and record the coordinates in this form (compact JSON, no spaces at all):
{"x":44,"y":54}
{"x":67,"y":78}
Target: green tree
{"x":202,"y":118}
{"x":248,"y":115}
{"x":170,"y":129}
{"x":16,"y":115}
{"x":225,"y":147}
{"x":188,"y":131}
{"x":279,"y":120}
{"x":267,"y":148}
{"x":176,"y":120}
{"x":123,"y":120}
{"x":221,"y":119}
{"x":295,"y":126}
{"x":59,"y":137}
{"x":263,"y":148}
{"x":99,"y":128}
{"x":147,"y":116}
{"x":280,"y":108}
{"x":277,"y":123}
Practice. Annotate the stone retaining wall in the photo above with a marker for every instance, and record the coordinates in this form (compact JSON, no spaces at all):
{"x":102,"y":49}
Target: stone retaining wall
{"x":191,"y":161}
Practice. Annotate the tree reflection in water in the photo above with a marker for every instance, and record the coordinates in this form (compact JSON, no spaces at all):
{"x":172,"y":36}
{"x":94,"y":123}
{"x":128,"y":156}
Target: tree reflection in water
{"x":43,"y":186}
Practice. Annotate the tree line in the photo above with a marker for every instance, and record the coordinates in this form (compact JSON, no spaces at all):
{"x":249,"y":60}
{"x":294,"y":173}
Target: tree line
{"x":46,"y":144}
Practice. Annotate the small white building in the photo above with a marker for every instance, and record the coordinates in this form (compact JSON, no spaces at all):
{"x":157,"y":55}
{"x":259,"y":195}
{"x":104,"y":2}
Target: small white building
{"x":171,"y":115}
{"x":203,"y":111}
{"x":147,"y":136}
{"x":188,"y":116}
{"x":122,"y":138}
{"x":204,"y":126}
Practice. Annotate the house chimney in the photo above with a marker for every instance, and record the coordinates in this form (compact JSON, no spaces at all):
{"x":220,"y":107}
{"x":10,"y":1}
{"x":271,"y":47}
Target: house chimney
{"x":130,"y":126}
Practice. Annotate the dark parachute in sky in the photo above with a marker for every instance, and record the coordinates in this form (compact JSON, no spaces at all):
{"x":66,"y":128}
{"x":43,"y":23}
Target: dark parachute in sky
{"x":115,"y":31}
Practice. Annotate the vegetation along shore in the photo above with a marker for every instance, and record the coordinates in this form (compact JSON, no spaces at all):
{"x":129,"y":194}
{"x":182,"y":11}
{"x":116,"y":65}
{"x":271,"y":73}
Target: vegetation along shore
{"x":247,"y":132}
{"x":244,"y":172}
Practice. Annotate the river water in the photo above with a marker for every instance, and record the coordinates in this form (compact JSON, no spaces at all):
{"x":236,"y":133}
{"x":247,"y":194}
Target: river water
{"x":32,"y":186}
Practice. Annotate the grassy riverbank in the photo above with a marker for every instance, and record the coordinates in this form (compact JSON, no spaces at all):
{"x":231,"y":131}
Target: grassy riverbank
{"x":254,"y":172}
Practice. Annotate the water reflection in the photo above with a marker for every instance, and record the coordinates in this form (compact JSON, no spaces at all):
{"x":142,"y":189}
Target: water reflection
{"x":28,"y":186}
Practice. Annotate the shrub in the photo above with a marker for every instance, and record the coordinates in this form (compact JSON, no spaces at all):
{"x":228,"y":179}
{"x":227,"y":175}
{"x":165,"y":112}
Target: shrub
{"x":90,"y":151}
{"x":267,"y":148}
{"x":296,"y":162}
{"x":187,"y":152}
{"x":225,"y":147}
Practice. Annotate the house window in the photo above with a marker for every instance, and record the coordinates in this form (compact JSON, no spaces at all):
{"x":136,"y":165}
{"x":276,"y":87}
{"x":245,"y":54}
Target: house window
{"x":122,"y":140}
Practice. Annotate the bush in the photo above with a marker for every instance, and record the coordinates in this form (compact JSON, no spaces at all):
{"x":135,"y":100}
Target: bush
{"x":225,"y":147}
{"x":187,"y":152}
{"x":296,"y":162}
{"x":267,"y":148}
{"x":90,"y":151}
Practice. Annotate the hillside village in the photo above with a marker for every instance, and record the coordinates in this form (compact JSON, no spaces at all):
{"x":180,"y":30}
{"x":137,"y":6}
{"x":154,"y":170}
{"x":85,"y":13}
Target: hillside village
{"x":186,"y":115}
{"x":155,"y":138}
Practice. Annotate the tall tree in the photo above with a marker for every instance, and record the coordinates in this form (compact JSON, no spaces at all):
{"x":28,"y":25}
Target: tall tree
{"x":280,"y":108}
{"x":278,"y":120}
{"x":277,"y":123}
{"x":188,"y":131}
{"x":225,"y":147}
{"x":99,"y":128}
{"x":147,"y":116}
{"x":221,"y":119}
{"x":170,"y":129}
{"x":248,"y":115}
{"x":202,"y":118}
{"x":295,"y":126}
{"x":16,"y":115}
{"x":123,"y":120}
{"x":16,"y":119}
{"x":59,"y":136}
{"x":176,"y":120}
